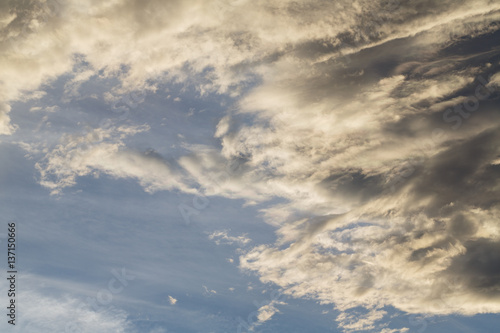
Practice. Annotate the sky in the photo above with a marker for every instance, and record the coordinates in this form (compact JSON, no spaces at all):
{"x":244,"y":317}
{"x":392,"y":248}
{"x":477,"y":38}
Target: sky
{"x":251,"y":166}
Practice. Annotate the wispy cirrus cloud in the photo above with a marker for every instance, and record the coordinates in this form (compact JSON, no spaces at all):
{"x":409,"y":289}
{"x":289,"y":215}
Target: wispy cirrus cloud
{"x":43,"y":311}
{"x":222,"y":237}
{"x":101,"y":151}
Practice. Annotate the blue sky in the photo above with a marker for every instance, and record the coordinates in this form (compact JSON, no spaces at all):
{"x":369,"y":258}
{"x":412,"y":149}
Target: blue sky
{"x":239,"y":166}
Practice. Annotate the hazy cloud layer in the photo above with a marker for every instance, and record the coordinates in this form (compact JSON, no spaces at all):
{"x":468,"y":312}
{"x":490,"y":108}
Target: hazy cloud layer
{"x":43,"y":312}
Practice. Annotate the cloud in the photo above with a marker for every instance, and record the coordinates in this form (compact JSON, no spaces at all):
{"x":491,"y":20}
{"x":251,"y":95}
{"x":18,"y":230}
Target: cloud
{"x":101,"y":151}
{"x":379,"y":210}
{"x":221,"y":43}
{"x":357,"y":122}
{"x":266,"y":312}
{"x":6,"y":128}
{"x":388,"y":330}
{"x":48,"y":313}
{"x":222,"y":237}
{"x":410,"y":246}
{"x":208,"y":292}
{"x":360,"y":322}
{"x":386,"y":200}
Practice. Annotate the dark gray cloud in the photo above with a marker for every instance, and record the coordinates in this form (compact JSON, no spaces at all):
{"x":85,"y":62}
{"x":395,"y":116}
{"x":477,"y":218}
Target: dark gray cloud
{"x":479,"y":268}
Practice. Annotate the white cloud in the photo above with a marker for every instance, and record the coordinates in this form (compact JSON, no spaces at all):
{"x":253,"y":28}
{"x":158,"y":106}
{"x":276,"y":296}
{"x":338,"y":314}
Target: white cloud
{"x":44,"y":313}
{"x":495,"y":80}
{"x":388,"y":330}
{"x":225,"y":36}
{"x":266,"y":312}
{"x":222,"y":237}
{"x":101,"y":150}
{"x":6,"y":128}
{"x":360,"y":322}
{"x":208,"y":292}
